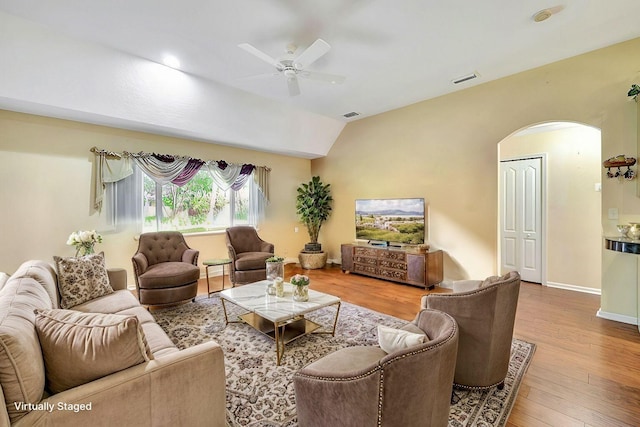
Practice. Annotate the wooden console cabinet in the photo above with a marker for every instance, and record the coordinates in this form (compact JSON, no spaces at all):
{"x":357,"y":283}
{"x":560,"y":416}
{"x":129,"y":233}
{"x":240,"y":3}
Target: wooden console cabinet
{"x":396,"y":264}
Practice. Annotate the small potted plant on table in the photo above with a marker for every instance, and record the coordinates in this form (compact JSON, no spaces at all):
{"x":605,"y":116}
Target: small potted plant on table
{"x":300,"y":284}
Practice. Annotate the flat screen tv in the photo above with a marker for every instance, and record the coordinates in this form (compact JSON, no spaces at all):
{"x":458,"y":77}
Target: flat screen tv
{"x":390,"y":221}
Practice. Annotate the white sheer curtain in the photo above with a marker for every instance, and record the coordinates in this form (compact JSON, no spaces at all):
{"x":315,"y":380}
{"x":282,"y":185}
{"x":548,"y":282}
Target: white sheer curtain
{"x":124,"y":202}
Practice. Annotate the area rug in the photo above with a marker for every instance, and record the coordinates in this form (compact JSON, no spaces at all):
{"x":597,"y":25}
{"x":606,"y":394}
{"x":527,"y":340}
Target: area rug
{"x":259,"y":393}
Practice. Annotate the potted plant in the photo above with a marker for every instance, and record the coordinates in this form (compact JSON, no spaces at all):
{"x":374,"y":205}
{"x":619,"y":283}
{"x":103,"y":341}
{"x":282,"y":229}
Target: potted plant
{"x":300,"y":284}
{"x":313,"y":206}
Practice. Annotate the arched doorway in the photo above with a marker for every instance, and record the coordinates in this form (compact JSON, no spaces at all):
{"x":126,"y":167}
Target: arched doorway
{"x":569,"y":206}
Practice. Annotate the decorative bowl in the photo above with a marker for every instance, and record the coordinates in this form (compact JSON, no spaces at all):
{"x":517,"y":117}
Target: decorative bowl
{"x":623,"y":229}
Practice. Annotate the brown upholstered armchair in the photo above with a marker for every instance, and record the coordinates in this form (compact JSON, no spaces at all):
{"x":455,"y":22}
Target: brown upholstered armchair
{"x":485,"y":312}
{"x":248,"y":253}
{"x":165,"y":268}
{"x":364,"y":386}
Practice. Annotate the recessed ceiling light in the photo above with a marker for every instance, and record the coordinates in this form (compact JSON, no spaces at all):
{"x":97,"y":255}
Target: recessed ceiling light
{"x":544,"y":14}
{"x":171,"y":61}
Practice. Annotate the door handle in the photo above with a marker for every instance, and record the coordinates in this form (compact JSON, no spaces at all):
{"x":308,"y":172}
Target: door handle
{"x":528,"y":235}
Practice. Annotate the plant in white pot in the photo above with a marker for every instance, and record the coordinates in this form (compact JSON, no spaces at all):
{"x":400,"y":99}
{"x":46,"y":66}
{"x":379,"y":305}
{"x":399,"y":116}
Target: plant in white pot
{"x":313,"y":206}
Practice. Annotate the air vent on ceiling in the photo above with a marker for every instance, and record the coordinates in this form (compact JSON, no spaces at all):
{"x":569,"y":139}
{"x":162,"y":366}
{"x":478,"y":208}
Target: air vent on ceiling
{"x":466,"y":78}
{"x":351,"y":114}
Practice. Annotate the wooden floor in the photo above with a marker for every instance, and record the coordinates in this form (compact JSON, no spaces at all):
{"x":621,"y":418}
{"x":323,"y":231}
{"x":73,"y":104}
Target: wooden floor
{"x":585,"y":371}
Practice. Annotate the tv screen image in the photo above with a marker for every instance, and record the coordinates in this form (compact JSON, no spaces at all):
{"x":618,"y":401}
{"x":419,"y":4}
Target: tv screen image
{"x":390,"y":220}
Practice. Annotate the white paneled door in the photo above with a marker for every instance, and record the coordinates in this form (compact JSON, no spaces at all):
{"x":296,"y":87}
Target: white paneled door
{"x":521,"y":236}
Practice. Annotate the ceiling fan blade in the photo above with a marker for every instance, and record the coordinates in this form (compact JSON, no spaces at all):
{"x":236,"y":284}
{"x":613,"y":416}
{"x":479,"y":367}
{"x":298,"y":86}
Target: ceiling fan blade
{"x":324,"y":77}
{"x":258,"y":53}
{"x":294,"y":87}
{"x":311,"y":54}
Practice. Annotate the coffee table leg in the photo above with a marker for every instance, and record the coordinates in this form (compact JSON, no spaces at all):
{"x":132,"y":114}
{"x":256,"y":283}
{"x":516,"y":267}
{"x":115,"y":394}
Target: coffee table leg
{"x":335,"y":321}
{"x":224,"y":308}
{"x":279,"y":343}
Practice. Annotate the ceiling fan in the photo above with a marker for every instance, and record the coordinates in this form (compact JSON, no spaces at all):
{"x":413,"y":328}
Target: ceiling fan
{"x":293,"y":65}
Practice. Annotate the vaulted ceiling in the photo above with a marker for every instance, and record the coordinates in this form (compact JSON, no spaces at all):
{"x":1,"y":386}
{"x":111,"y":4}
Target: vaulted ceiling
{"x":98,"y":61}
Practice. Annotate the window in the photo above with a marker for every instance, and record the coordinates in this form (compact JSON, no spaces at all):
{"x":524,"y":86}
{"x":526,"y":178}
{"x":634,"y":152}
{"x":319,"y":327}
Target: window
{"x":198,"y":206}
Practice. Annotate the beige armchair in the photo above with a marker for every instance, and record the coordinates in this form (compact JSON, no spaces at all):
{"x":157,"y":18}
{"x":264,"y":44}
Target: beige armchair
{"x":248,"y":253}
{"x":485,"y":312}
{"x":165,"y":268}
{"x":364,"y":386}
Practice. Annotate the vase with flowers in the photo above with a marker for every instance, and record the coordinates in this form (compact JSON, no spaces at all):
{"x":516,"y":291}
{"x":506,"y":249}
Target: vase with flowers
{"x":300,"y":284}
{"x":84,"y":241}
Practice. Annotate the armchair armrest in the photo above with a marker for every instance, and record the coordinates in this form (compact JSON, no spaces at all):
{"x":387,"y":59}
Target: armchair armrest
{"x":117,"y":278}
{"x":267,"y":247}
{"x":140,"y":263}
{"x":181,"y":388}
{"x":353,"y":374}
{"x":232,"y":252}
{"x":190,"y":256}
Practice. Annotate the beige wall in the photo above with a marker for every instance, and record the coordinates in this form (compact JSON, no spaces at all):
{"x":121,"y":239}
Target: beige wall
{"x":573,"y":257}
{"x":445,"y":150}
{"x":45,"y":171}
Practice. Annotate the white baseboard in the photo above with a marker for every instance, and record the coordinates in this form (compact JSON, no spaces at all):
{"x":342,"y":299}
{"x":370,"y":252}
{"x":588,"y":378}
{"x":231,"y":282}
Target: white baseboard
{"x":574,"y":288}
{"x":617,"y":317}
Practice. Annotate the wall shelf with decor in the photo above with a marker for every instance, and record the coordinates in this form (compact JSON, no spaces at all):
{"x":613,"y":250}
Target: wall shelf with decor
{"x":617,"y":162}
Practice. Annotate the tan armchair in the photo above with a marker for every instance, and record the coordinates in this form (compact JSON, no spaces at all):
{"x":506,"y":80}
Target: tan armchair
{"x":364,"y":386}
{"x":485,"y":312}
{"x":248,"y":253}
{"x":165,"y":268}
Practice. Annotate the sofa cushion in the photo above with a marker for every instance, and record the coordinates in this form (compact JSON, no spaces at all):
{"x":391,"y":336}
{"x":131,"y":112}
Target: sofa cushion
{"x":22,"y":373}
{"x":252,"y":260}
{"x":81,"y":279}
{"x":81,"y":347}
{"x":115,"y":302}
{"x":391,"y":339}
{"x":168,"y":275}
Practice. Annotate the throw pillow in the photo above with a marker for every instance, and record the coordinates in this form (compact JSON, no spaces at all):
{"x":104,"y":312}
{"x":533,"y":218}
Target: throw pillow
{"x":391,"y":339}
{"x":80,"y":347}
{"x":493,"y":279}
{"x":81,"y":279}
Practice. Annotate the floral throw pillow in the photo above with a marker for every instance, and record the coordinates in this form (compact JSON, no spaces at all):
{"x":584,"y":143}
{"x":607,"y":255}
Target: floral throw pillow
{"x":81,"y":279}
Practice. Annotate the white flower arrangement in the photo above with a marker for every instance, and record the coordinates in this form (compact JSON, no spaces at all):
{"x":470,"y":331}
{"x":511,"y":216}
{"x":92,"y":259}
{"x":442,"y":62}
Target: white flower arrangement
{"x":84,"y":241}
{"x":299,"y":280}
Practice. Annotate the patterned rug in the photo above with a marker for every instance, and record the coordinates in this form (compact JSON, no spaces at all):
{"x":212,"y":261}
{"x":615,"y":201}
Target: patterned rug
{"x":259,"y":393}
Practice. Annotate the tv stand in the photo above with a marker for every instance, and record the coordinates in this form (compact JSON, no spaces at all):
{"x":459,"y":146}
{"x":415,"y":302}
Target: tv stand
{"x":402,"y":264}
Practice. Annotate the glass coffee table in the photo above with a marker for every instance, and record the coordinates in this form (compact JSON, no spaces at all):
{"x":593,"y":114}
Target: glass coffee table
{"x":280,"y":318}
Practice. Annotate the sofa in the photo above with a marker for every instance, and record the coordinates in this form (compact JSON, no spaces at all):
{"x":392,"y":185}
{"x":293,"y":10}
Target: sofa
{"x":165,"y":386}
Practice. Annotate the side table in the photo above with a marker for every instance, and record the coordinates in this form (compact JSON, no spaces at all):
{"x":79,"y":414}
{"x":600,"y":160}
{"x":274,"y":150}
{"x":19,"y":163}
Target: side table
{"x":215,"y":262}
